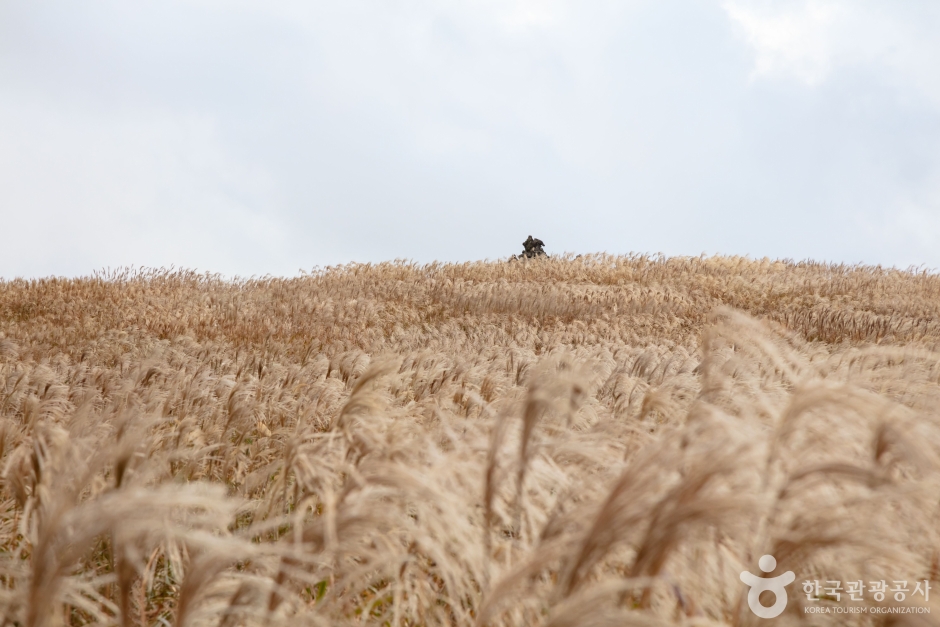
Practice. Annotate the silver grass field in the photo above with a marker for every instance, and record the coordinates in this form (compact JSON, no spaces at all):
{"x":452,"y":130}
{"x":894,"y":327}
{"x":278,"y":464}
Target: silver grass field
{"x":592,"y":441}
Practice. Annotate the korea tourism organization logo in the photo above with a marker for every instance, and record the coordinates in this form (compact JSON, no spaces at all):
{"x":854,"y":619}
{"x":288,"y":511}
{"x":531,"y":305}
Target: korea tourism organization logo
{"x":773,"y":584}
{"x":833,"y":591}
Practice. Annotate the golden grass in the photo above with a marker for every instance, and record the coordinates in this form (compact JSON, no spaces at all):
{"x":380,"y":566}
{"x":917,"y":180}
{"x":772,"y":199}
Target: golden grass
{"x":577,"y":441}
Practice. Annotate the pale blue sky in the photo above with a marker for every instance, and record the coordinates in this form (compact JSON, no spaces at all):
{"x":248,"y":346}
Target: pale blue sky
{"x":265,"y":137}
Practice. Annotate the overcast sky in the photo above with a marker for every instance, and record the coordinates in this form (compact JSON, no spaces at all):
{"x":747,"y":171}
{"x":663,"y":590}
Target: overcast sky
{"x":266,"y":137}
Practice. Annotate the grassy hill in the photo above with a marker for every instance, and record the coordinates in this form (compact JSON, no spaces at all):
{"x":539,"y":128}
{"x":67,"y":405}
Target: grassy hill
{"x":591,"y":441}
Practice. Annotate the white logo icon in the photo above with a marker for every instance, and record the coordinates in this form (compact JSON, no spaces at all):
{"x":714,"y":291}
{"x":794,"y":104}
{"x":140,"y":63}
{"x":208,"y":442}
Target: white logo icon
{"x":774,"y":584}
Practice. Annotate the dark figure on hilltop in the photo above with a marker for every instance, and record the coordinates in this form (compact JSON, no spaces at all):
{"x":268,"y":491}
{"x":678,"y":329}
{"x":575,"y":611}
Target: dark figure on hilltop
{"x":533,"y":248}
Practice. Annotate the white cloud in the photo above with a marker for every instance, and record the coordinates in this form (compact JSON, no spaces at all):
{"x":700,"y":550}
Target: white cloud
{"x":810,"y":40}
{"x":796,"y":40}
{"x":252,"y":137}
